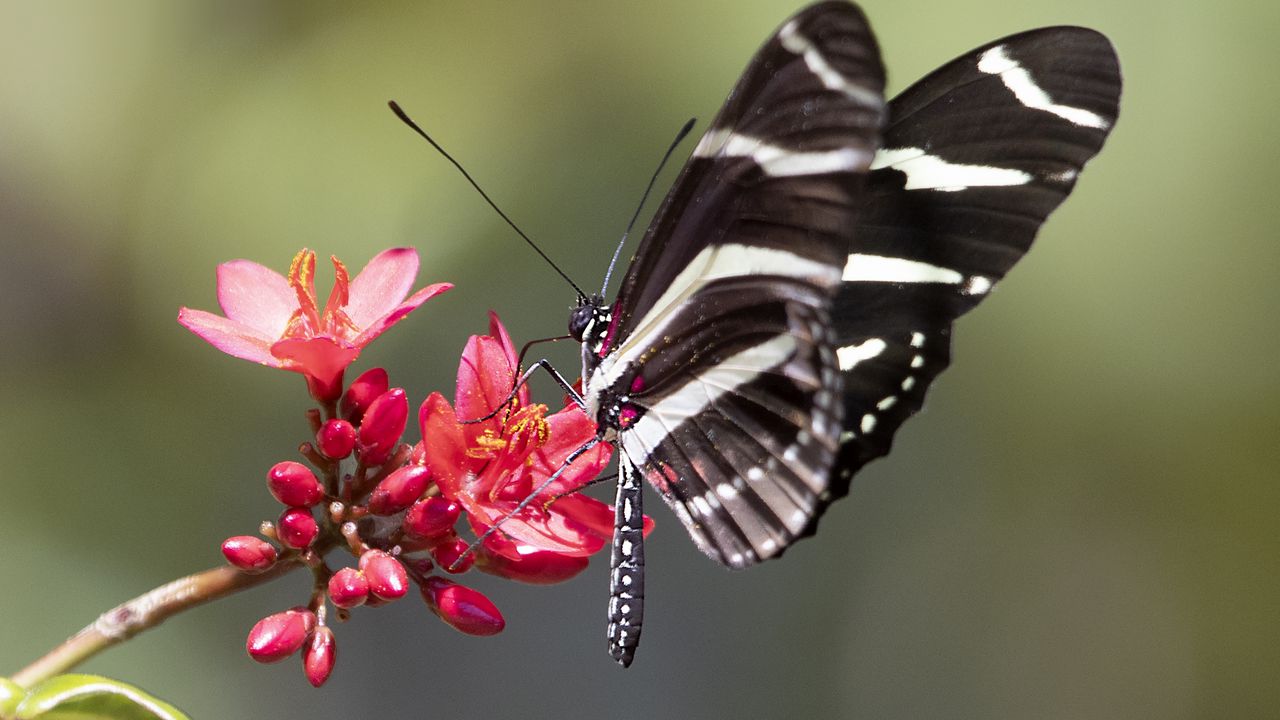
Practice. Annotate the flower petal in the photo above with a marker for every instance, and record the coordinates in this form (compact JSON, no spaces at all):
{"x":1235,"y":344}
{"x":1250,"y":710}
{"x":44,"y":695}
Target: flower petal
{"x":398,"y":313}
{"x":320,"y":357}
{"x":444,"y":445}
{"x":557,"y":532}
{"x":570,"y":429}
{"x":381,"y":285}
{"x":485,"y":377}
{"x":229,"y":336}
{"x":498,"y":331}
{"x":256,"y":296}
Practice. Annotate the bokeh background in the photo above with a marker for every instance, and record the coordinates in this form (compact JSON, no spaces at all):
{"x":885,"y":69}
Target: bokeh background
{"x":1081,"y":525}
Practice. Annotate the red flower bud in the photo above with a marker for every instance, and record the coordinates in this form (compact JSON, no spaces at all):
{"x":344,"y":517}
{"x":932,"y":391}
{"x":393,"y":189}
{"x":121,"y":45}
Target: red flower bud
{"x":336,"y":439}
{"x":250,"y":554}
{"x":387,"y":577}
{"x":465,"y":609}
{"x":297,"y":528}
{"x":276,"y":637}
{"x":399,"y":490}
{"x":431,"y":517}
{"x":382,"y":426}
{"x":318,"y":658}
{"x":537,"y":567}
{"x":294,"y":484}
{"x":449,"y":552}
{"x":362,"y":392}
{"x":348,"y":588}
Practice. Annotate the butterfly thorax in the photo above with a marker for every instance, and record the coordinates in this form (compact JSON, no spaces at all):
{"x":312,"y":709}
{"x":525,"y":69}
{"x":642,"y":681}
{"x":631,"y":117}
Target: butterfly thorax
{"x":606,"y":394}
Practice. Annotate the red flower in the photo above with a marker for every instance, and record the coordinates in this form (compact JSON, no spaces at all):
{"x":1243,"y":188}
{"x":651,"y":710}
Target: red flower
{"x":489,"y":467}
{"x":279,"y":322}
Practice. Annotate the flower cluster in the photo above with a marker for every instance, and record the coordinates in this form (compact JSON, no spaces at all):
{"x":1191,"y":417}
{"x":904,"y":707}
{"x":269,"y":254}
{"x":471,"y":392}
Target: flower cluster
{"x":397,"y":508}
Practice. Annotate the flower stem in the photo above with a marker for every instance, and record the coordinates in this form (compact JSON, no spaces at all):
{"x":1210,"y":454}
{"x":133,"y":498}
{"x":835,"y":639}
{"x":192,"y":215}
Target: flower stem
{"x":143,"y":612}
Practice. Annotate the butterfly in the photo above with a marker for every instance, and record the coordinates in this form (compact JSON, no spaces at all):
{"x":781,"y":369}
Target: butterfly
{"x":793,"y":298}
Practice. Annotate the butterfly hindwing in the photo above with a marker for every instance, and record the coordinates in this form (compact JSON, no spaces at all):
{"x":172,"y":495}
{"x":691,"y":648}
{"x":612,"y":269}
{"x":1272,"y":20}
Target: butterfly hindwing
{"x":975,"y":156}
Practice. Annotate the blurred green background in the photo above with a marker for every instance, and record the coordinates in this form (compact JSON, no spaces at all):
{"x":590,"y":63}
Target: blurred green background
{"x":1082,"y":524}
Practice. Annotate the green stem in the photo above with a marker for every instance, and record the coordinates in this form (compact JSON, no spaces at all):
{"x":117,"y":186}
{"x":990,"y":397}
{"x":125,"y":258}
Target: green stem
{"x":144,"y":612}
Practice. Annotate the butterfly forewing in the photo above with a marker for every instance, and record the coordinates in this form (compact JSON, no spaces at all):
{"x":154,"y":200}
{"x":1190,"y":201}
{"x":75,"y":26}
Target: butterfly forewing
{"x":975,"y":156}
{"x":722,"y":345}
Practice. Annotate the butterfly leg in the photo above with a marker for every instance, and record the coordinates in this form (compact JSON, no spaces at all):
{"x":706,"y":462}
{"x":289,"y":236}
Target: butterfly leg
{"x":626,"y":575}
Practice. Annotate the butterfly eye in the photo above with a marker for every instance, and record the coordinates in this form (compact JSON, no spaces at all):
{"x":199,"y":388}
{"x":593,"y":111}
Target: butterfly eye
{"x":580,"y":320}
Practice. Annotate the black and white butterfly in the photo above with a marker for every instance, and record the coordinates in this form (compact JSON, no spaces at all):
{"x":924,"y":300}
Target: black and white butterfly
{"x":793,"y":298}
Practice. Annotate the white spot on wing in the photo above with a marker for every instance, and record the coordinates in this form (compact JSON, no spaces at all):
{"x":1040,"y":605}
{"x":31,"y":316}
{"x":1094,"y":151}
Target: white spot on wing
{"x":701,"y":506}
{"x":976,"y":285}
{"x":851,"y":355}
{"x":929,"y":172}
{"x":1019,"y":81}
{"x":917,"y":339}
{"x":798,"y":520}
{"x":868,"y":423}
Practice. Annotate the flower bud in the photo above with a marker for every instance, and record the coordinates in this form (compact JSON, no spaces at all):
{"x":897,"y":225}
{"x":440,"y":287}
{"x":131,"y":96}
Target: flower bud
{"x":465,"y":609}
{"x":336,"y":439}
{"x":276,"y":637}
{"x":250,"y":554}
{"x":362,"y":392}
{"x":348,"y":588}
{"x":296,"y":528}
{"x":294,"y":484}
{"x":431,"y":517}
{"x":530,"y":565}
{"x":382,"y":426}
{"x":387,"y":577}
{"x":449,"y":552}
{"x":319,"y":656}
{"x":399,"y":490}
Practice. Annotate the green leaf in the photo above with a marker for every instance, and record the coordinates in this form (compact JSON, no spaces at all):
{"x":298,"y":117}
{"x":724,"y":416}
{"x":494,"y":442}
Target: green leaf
{"x":11,"y":693}
{"x":90,"y":697}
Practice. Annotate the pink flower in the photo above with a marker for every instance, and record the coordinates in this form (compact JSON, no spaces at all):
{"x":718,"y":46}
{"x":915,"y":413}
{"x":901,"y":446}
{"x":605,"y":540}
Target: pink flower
{"x":490,"y":466}
{"x":278,"y":321}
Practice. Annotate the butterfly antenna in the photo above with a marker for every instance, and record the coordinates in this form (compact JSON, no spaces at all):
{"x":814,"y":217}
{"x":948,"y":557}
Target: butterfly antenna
{"x":680,"y":136}
{"x":395,"y":108}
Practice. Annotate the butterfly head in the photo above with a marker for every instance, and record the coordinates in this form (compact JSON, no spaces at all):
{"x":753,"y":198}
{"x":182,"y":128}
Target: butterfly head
{"x":590,"y":321}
